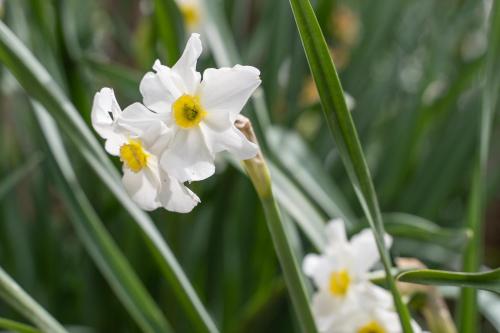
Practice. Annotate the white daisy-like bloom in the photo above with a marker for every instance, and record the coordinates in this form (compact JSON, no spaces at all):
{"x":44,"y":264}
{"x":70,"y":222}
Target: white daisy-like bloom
{"x":371,"y":312}
{"x":201,"y":114}
{"x":346,"y":301}
{"x":193,"y":14}
{"x":340,"y":273}
{"x":138,"y":137}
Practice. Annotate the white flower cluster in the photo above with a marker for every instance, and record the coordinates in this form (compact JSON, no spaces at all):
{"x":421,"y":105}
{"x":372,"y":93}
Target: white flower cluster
{"x":346,"y":301}
{"x":174,"y":135}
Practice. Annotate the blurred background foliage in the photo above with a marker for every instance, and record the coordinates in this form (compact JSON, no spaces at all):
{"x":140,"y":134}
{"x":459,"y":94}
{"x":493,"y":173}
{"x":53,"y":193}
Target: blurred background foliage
{"x":413,"y":70}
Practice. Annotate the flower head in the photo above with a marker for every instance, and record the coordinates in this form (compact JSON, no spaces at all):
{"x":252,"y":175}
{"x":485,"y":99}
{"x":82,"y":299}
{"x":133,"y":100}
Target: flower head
{"x":201,"y":114}
{"x":138,"y":137}
{"x":193,"y":13}
{"x":344,"y":263}
{"x":346,"y":301}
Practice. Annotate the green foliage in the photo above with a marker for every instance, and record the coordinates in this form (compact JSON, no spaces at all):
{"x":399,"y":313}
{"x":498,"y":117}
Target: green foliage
{"x":419,"y":73}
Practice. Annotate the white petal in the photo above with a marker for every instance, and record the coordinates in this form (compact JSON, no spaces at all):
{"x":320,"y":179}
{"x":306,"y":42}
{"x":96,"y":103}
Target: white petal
{"x":113,"y":143}
{"x":228,"y":89}
{"x":158,"y":91}
{"x":176,"y":197}
{"x":221,"y":135}
{"x":188,"y":158}
{"x":142,"y":187}
{"x":365,"y":250}
{"x":186,"y":65}
{"x":335,"y":233}
{"x":139,"y":121}
{"x":105,"y":110}
{"x":311,"y":264}
{"x":325,"y":310}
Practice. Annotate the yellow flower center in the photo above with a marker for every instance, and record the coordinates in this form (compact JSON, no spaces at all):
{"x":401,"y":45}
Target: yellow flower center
{"x":339,"y":282}
{"x":191,"y":14}
{"x":188,"y":111}
{"x":133,"y":155}
{"x":371,"y":327}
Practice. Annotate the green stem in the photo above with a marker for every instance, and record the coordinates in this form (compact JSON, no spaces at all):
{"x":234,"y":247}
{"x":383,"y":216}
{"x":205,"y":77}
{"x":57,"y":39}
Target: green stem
{"x":468,"y":313}
{"x":259,"y":174}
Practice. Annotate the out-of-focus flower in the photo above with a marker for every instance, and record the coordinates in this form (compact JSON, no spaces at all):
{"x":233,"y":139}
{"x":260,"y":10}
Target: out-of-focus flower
{"x":346,"y":301}
{"x":346,"y":25}
{"x":310,"y":96}
{"x":193,"y":14}
{"x":138,"y":137}
{"x":200,"y":114}
{"x":340,"y":273}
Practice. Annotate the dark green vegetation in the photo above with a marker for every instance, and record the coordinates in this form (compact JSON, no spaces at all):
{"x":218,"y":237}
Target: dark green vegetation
{"x":425,"y":95}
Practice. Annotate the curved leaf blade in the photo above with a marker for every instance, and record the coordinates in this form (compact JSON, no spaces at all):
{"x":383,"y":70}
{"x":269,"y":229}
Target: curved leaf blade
{"x":342,"y":128}
{"x":14,"y":295}
{"x":486,"y":280}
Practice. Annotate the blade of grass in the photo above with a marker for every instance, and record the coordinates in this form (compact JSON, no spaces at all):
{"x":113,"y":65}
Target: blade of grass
{"x":166,"y":17}
{"x":415,"y":227}
{"x":15,"y":326}
{"x":14,"y":295}
{"x":39,"y":85}
{"x":485,"y":280}
{"x":97,"y":240}
{"x":344,"y":132}
{"x":468,"y":313}
{"x":17,"y":175}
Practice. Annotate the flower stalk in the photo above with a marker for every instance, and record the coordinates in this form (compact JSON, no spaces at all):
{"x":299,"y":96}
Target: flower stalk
{"x":259,"y":174}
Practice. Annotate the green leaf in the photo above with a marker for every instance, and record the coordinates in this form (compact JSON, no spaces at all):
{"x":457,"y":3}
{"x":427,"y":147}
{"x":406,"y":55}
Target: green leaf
{"x":344,"y":132}
{"x":167,"y":23}
{"x":15,"y":326}
{"x":101,"y":247}
{"x":477,"y":205}
{"x":415,"y":227}
{"x":16,"y":297}
{"x":486,"y":280}
{"x":39,"y":85}
{"x":306,"y":169}
{"x":17,"y":175}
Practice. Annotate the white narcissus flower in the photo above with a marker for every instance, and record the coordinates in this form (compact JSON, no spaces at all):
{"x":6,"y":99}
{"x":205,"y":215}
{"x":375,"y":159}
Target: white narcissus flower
{"x":344,"y":264}
{"x":200,"y":113}
{"x":193,"y":13}
{"x":346,"y":301}
{"x":138,"y":137}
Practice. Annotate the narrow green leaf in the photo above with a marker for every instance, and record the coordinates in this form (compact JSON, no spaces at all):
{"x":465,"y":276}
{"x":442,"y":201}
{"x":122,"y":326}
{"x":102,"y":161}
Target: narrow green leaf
{"x":15,"y":326}
{"x":415,"y":227}
{"x":344,"y":132}
{"x":476,"y":205}
{"x":16,"y":297}
{"x":101,"y":247}
{"x":166,"y":19}
{"x":39,"y":85}
{"x":486,"y":280}
{"x":17,"y":175}
{"x":306,"y":169}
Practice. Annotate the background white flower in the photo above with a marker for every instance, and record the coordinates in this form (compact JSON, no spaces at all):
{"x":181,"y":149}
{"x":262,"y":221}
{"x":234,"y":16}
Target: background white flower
{"x":201,"y":113}
{"x":193,"y":14}
{"x":138,"y":137}
{"x":340,"y":274}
